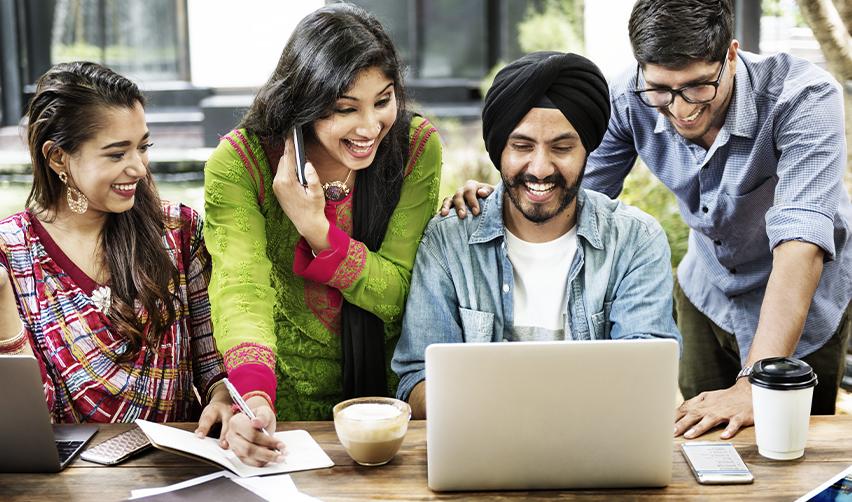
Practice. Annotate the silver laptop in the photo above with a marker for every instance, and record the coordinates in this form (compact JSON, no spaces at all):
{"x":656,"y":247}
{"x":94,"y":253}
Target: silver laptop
{"x":550,"y":415}
{"x":29,"y":442}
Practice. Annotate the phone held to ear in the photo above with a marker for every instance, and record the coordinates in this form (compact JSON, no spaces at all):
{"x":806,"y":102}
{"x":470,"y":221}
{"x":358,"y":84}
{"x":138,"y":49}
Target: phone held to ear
{"x":299,"y":147}
{"x":716,"y":463}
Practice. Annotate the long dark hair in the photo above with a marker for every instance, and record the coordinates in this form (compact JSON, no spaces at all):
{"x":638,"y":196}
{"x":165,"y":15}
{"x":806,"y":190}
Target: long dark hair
{"x":322,"y":59}
{"x":66,"y":109}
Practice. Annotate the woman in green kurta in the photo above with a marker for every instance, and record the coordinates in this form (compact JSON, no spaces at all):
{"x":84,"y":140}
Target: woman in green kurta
{"x":309,"y":282}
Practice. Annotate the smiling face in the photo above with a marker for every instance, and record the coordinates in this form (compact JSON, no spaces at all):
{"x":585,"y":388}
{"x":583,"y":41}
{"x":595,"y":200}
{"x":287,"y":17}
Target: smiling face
{"x":108,"y":166}
{"x":699,"y":123}
{"x":362,"y":117}
{"x":541,"y":166}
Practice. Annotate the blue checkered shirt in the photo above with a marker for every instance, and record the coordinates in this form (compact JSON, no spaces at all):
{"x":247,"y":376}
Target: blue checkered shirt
{"x":773,"y":174}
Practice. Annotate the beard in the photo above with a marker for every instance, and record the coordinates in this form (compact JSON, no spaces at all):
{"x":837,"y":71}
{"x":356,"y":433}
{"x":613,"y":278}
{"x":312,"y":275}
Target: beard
{"x":536,"y":212}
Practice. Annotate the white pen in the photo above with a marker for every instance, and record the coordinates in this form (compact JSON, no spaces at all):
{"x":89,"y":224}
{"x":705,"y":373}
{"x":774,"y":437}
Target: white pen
{"x":238,"y":399}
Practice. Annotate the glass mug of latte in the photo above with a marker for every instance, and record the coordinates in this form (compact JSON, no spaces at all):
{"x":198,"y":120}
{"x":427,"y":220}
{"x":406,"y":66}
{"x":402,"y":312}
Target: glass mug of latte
{"x":371,"y":429}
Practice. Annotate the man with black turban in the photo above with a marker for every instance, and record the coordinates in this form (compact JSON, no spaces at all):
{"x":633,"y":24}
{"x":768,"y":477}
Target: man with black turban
{"x":545,"y":259}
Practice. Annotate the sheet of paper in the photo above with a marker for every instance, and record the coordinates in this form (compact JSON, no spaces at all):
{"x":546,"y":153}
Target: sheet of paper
{"x":278,"y":488}
{"x":302,"y":452}
{"x":147,"y":492}
{"x":275,"y":488}
{"x":220,"y":488}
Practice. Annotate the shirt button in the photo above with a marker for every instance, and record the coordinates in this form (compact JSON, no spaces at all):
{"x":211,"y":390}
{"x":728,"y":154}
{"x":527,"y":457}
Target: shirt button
{"x":717,"y":242}
{"x":505,"y":288}
{"x":704,"y":209}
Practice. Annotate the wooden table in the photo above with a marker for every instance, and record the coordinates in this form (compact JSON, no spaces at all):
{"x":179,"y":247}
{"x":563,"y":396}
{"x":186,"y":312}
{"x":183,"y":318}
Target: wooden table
{"x":829,"y":451}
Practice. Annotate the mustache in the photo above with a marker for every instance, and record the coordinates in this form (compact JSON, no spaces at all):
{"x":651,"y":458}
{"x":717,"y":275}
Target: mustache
{"x":524,"y":178}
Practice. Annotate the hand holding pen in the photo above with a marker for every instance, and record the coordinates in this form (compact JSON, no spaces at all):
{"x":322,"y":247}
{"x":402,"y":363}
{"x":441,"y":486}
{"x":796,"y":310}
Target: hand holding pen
{"x":249,"y":433}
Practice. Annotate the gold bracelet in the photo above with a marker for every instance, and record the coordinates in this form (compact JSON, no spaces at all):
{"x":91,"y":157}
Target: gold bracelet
{"x":16,"y":344}
{"x":262,"y":394}
{"x":213,"y":388}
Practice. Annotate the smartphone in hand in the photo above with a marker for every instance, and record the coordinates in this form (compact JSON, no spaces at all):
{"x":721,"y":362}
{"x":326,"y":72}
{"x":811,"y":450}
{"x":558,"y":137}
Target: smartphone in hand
{"x":299,"y":147}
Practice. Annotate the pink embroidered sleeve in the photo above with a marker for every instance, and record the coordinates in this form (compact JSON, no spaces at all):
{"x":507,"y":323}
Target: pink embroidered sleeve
{"x":251,"y":368}
{"x":378,"y":281}
{"x":240,"y":291}
{"x":337,"y":266}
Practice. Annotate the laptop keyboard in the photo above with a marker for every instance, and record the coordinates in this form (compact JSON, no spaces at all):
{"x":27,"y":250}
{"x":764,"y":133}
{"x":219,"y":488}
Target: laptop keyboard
{"x":67,"y":449}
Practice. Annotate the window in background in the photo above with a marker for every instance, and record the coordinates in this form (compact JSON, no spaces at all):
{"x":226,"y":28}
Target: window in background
{"x":143,"y":40}
{"x":464,"y":39}
{"x":396,"y":19}
{"x":454,"y":39}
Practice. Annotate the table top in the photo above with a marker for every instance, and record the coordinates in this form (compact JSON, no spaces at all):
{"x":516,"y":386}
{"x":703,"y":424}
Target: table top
{"x":828,"y":452}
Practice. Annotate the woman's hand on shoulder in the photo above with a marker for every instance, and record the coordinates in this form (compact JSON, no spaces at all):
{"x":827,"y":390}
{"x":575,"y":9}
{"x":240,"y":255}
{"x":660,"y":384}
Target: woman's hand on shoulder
{"x":304,"y":206}
{"x":466,"y":196}
{"x":246,"y":437}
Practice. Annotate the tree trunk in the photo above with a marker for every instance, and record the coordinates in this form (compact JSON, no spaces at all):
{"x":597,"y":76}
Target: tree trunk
{"x":832,"y":33}
{"x":844,"y":8}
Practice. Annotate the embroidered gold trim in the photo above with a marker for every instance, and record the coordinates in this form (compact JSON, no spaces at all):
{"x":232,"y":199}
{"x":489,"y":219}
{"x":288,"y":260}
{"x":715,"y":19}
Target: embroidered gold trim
{"x":351,"y":267}
{"x":249,"y":353}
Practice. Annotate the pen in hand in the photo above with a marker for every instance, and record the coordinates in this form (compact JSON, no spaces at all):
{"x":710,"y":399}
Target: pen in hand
{"x":238,"y":400}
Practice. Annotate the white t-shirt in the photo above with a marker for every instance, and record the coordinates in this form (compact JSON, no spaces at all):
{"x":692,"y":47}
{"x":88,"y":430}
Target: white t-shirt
{"x":540,"y":271}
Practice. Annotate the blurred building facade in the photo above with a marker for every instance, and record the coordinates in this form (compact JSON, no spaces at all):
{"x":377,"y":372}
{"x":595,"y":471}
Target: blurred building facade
{"x":200,"y":61}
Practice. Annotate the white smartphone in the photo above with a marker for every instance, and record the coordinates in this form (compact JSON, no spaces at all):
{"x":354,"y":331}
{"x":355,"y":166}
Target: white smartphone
{"x":716,"y":463}
{"x":117,"y":448}
{"x":299,"y":146}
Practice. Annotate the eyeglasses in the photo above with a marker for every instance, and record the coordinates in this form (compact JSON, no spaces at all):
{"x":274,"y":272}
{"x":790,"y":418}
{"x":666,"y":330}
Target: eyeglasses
{"x":693,"y":93}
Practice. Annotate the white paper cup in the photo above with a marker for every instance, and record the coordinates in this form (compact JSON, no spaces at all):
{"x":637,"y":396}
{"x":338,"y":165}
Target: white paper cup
{"x":781,"y":390}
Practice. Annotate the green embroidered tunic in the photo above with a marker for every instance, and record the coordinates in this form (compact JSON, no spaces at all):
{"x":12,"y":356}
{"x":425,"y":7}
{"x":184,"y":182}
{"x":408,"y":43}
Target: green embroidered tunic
{"x":266,"y":317}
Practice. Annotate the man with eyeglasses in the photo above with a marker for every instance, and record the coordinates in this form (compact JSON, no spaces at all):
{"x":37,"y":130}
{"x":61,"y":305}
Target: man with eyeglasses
{"x":754,"y":149}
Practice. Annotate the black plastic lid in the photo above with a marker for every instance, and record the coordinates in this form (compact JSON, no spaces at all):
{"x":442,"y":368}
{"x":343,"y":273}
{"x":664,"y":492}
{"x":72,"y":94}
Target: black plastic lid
{"x":782,"y":373}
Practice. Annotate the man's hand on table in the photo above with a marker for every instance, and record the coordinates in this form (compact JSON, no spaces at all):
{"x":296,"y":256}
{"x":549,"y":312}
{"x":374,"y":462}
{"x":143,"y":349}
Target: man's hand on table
{"x":709,"y":409}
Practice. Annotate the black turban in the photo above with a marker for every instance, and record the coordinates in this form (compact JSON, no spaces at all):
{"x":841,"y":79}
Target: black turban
{"x":565,"y":81}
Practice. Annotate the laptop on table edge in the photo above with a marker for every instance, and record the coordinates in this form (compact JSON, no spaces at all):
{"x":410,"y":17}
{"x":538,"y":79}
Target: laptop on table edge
{"x":30,"y":442}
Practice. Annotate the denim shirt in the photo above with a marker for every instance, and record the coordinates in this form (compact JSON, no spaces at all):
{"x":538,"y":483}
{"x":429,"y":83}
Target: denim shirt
{"x":773,"y":174}
{"x":619,"y":284}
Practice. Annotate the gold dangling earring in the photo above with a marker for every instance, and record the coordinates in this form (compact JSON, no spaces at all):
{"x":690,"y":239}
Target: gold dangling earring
{"x":77,"y":202}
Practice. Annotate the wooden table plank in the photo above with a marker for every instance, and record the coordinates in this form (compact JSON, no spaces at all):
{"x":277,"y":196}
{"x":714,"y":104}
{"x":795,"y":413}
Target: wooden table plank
{"x":829,"y":451}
